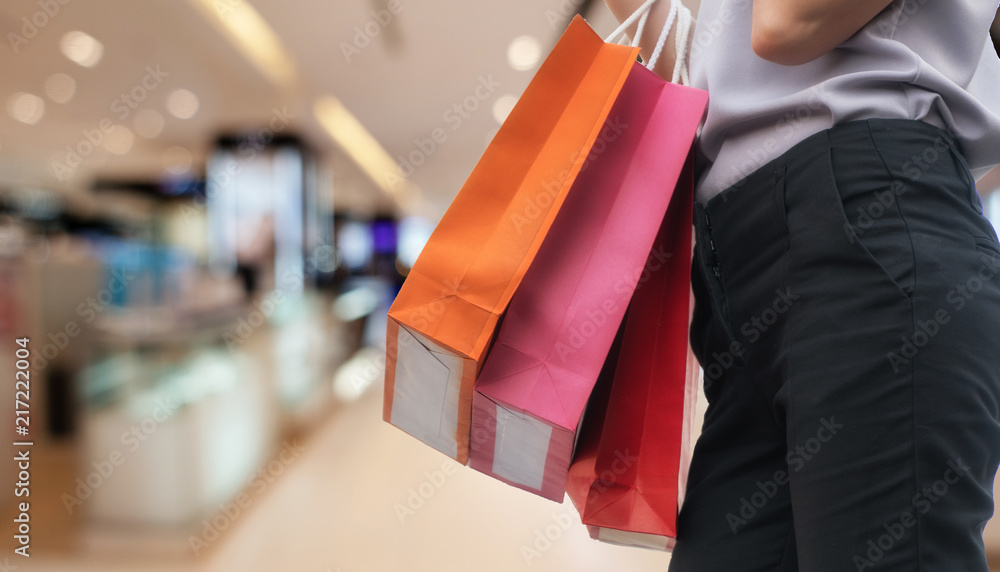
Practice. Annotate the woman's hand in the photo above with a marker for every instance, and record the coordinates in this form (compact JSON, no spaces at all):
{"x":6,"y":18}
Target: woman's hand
{"x":622,"y":9}
{"x":793,"y":32}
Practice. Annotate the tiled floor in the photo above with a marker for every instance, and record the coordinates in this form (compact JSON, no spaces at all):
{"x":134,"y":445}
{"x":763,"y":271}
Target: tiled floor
{"x":352,"y":501}
{"x":361,"y":496}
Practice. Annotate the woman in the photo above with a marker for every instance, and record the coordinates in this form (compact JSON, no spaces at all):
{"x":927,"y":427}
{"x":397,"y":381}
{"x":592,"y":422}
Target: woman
{"x":847,"y":285}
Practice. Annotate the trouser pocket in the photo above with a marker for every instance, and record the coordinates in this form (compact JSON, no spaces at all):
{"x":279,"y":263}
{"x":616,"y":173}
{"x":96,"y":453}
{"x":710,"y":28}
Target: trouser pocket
{"x":873,"y":221}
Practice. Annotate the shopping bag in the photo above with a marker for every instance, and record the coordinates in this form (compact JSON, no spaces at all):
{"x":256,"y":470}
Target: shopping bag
{"x":446,"y":314}
{"x":558,"y":329}
{"x":581,"y":473}
{"x":640,"y":467}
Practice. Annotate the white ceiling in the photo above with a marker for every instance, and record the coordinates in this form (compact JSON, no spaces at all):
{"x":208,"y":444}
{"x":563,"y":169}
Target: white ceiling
{"x":428,"y":58}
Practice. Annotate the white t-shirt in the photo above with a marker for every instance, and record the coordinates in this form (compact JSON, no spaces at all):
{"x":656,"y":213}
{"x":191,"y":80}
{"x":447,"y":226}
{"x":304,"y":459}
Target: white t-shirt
{"x":930,"y":60}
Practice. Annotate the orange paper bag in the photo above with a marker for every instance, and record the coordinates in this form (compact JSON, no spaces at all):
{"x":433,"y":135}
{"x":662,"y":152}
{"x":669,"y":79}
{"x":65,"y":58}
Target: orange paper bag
{"x":442,"y":322}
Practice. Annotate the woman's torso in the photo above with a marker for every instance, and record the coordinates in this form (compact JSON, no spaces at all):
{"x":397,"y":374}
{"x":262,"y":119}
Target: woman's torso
{"x":929,"y":60}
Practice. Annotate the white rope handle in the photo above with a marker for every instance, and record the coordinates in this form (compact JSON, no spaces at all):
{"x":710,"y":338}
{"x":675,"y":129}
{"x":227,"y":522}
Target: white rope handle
{"x":671,"y":16}
{"x":640,"y":28}
{"x":639,"y":12}
{"x":678,"y":14}
{"x":681,"y":45}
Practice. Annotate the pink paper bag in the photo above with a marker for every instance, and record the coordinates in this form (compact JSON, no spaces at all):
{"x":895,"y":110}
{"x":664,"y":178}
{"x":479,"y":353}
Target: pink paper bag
{"x":532,"y":390}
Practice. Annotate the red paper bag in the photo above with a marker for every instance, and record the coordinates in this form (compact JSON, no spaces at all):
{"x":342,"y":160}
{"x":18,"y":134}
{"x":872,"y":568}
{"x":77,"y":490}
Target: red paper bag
{"x":640,"y":466}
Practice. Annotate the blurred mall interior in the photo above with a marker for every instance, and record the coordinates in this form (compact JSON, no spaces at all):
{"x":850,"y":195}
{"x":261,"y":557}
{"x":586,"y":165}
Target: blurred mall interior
{"x":206,"y":208}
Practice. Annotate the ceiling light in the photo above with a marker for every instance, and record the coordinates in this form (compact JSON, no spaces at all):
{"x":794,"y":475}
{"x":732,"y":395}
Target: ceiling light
{"x":503,"y":106}
{"x":250,"y":33}
{"x":360,"y":145}
{"x":182,"y":104}
{"x":60,"y":87}
{"x":119,"y":140}
{"x":177,"y":160}
{"x":81,"y":48}
{"x":524,"y":53}
{"x":26,"y":108}
{"x":148,"y":123}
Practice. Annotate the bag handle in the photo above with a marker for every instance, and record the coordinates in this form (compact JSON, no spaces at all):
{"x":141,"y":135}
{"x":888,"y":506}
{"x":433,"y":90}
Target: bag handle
{"x":640,"y":28}
{"x":678,"y":14}
{"x":642,"y":11}
{"x":682,"y":40}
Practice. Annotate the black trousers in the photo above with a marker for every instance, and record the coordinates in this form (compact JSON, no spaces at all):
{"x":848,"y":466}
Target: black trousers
{"x":847,"y":316}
